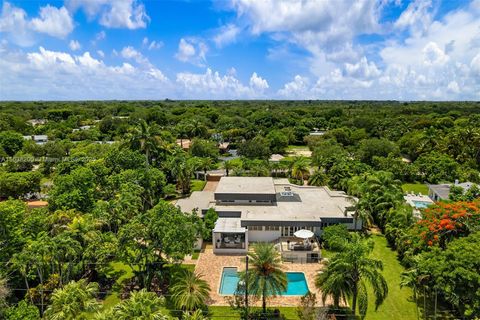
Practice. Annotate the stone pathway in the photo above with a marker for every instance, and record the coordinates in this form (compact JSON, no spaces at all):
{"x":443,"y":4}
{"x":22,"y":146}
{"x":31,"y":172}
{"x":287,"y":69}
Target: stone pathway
{"x":210,"y":267}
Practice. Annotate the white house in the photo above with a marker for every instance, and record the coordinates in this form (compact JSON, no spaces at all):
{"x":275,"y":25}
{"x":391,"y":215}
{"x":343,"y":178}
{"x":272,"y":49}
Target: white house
{"x":261,"y":209}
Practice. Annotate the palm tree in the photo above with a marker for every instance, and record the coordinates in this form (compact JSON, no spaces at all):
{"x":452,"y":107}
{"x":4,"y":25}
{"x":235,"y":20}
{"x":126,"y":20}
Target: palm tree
{"x":410,"y":278}
{"x":141,"y":305}
{"x":72,"y":300}
{"x":348,"y":273}
{"x":190,"y":291}
{"x":227,"y":165}
{"x":197,"y":315}
{"x":318,"y":178}
{"x":300,"y":168}
{"x":182,"y":168}
{"x":265,"y":277}
{"x":145,"y":140}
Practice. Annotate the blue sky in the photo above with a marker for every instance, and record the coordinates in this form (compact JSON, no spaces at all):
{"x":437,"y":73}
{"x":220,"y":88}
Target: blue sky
{"x":240,"y":49}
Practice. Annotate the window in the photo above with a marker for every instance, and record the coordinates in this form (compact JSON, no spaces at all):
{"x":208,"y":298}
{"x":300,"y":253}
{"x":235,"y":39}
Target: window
{"x":272,"y":228}
{"x":255,"y":228}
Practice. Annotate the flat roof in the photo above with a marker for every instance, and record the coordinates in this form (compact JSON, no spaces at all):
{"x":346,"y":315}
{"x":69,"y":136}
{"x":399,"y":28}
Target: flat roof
{"x":198,"y":200}
{"x":306,"y":204}
{"x":227,"y":225}
{"x":246,"y":185}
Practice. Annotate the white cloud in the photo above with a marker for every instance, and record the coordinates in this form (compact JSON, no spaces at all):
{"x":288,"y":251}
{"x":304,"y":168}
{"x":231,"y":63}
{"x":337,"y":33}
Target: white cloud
{"x":53,"y":21}
{"x":453,"y":87}
{"x":314,"y":25}
{"x":101,"y":53}
{"x":46,"y":74}
{"x":363,"y":69}
{"x":299,"y":88}
{"x":130,"y":53}
{"x":128,"y":14}
{"x":258,"y":82}
{"x":212,"y":85}
{"x":417,"y":17}
{"x":13,"y":21}
{"x":192,"y":50}
{"x":475,"y":64}
{"x":433,"y":55}
{"x":226,"y":34}
{"x":151,"y":45}
{"x":74,"y":45}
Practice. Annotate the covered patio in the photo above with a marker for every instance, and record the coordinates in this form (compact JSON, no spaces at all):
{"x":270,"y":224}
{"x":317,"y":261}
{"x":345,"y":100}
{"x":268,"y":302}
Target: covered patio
{"x":229,"y":237}
{"x":303,"y":247}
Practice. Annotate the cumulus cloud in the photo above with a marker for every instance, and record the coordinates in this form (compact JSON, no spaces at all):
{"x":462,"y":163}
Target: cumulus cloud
{"x":47,"y":74}
{"x":258,"y":83}
{"x":192,"y":50}
{"x":213,"y":85}
{"x":74,"y":45}
{"x":314,"y":25}
{"x":128,"y":14}
{"x":433,"y":55}
{"x":299,"y":88}
{"x":55,"y":22}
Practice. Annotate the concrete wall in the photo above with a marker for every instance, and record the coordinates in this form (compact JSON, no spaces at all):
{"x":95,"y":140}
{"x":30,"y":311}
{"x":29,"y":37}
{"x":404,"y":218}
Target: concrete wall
{"x":263,"y":236}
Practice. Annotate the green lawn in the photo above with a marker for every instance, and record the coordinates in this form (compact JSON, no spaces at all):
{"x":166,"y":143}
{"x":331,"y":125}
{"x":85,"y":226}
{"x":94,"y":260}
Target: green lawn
{"x":415,"y":187}
{"x":197,"y":185}
{"x":226,"y":313}
{"x":399,"y":304}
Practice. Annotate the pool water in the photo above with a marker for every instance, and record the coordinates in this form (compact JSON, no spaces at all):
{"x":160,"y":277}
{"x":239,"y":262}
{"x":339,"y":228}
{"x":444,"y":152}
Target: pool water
{"x":296,"y":283}
{"x":421,"y":204}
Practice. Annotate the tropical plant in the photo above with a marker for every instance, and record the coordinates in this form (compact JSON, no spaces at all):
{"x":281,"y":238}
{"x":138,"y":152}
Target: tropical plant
{"x":189,"y":291}
{"x":144,"y":139}
{"x":300,"y":168}
{"x":141,"y":305}
{"x":318,"y":178}
{"x":196,"y":315}
{"x":264,"y":278}
{"x":71,"y":301}
{"x":348,"y":273}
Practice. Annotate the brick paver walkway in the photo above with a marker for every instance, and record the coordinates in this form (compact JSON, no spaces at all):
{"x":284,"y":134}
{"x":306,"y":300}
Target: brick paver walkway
{"x":210,"y":267}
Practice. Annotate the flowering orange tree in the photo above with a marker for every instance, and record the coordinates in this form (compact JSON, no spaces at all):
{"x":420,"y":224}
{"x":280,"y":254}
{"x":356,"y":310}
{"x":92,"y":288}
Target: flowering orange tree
{"x":443,"y":222}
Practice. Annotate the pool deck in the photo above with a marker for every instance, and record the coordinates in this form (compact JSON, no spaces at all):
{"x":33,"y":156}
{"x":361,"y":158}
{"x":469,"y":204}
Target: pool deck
{"x":210,"y":267}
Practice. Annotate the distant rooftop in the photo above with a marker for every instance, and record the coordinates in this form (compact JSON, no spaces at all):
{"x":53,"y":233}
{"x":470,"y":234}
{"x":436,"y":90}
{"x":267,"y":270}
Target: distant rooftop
{"x":247,"y":185}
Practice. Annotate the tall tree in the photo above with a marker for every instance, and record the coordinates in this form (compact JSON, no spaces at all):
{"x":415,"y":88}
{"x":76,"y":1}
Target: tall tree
{"x":265,"y":277}
{"x":347,"y":274}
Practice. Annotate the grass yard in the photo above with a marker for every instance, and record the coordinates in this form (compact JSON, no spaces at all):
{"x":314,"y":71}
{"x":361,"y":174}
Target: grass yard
{"x":226,"y":313}
{"x":399,"y":304}
{"x":415,"y":187}
{"x":198,"y":185}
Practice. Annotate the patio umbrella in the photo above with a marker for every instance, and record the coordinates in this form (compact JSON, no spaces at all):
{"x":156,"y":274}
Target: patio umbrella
{"x":304,"y":234}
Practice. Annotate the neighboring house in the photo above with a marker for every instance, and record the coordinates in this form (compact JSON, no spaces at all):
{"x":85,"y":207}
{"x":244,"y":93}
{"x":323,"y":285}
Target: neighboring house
{"x":317,"y":132}
{"x":184,"y":143}
{"x":438,"y":192}
{"x":261,"y":209}
{"x":38,"y":139}
{"x":276,"y":157}
{"x":37,"y":122}
{"x":224,"y":147}
{"x":82,"y":128}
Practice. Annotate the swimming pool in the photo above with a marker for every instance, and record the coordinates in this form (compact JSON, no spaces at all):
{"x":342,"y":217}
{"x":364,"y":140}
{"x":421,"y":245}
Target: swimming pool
{"x":421,"y":204}
{"x":296,"y":283}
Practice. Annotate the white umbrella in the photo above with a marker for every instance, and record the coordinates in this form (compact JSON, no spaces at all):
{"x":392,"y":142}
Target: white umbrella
{"x":304,"y":234}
